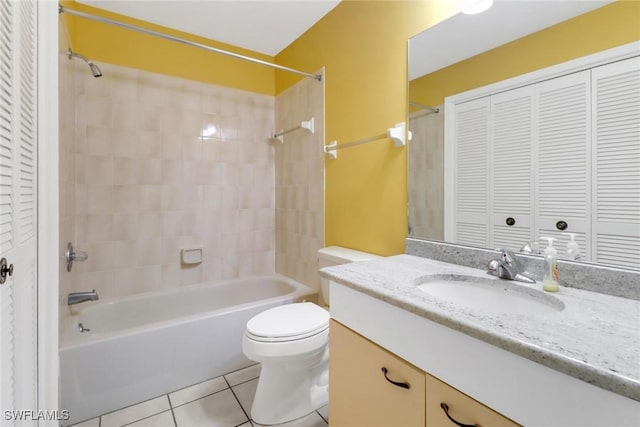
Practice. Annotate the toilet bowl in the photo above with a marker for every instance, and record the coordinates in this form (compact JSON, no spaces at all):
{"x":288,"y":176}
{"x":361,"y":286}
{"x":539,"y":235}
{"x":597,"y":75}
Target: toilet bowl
{"x":291,"y":342}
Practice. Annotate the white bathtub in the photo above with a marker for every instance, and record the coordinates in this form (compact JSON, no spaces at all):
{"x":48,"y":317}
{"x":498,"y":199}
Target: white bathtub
{"x":146,"y":345}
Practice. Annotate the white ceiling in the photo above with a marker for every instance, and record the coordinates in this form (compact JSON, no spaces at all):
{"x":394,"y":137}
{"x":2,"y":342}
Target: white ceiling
{"x":265,"y":26}
{"x":463,"y":36}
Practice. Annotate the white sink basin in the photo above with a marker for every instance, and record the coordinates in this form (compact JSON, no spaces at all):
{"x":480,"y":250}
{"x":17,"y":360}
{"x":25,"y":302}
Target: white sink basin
{"x":497,"y":296}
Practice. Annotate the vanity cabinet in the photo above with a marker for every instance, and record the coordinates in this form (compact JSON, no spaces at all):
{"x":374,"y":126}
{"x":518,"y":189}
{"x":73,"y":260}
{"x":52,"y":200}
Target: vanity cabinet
{"x":359,"y":393}
{"x":369,"y":386}
{"x":462,"y":408}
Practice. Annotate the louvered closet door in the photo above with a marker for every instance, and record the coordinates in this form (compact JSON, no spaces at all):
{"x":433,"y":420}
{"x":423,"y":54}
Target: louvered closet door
{"x":18,"y":206}
{"x":471,"y":189}
{"x":511,"y":174}
{"x":616,"y":159}
{"x":563,"y":169}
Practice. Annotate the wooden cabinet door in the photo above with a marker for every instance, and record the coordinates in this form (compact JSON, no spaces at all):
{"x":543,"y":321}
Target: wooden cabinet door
{"x":359,"y":393}
{"x":460,"y":407}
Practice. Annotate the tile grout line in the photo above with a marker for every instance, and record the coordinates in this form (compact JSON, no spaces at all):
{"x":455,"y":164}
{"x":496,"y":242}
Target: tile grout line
{"x":237,"y":400}
{"x":323,"y":419}
{"x":241,"y":369}
{"x":201,"y":397}
{"x":152,"y":415}
{"x":173,"y":415}
{"x":243,"y":382}
{"x":130,"y":406}
{"x":144,"y":418}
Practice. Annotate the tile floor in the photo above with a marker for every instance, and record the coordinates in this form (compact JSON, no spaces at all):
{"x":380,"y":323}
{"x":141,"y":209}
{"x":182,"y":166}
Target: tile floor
{"x":221,"y":402}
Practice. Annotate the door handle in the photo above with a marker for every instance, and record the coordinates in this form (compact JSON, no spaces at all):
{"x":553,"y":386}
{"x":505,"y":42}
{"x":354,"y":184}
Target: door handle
{"x":445,"y":408}
{"x":6,"y":269}
{"x":396,"y":383}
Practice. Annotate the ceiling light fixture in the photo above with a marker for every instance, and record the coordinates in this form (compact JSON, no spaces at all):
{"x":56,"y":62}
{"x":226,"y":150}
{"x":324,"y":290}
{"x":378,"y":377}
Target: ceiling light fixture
{"x":477,"y":7}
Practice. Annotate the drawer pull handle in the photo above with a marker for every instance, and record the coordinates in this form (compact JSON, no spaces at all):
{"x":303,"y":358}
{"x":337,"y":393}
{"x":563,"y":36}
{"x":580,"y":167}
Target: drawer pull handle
{"x":403,"y":385}
{"x":445,"y":408}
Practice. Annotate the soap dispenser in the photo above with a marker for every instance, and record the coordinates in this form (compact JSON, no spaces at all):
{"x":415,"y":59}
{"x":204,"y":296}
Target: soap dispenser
{"x":573,"y":250}
{"x":550,"y":278}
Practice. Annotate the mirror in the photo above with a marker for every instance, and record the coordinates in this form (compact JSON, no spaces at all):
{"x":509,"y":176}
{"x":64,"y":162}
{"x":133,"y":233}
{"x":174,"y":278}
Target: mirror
{"x":465,"y":52}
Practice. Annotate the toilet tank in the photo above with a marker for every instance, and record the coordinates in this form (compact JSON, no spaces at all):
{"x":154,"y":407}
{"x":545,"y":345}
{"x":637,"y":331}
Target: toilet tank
{"x":336,"y":255}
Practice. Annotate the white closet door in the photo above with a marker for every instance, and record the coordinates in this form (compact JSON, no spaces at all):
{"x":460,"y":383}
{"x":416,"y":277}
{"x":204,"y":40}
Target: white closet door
{"x":512,"y":119}
{"x":563,"y":171}
{"x":18,"y":228}
{"x":470,"y":177}
{"x":616,"y":158}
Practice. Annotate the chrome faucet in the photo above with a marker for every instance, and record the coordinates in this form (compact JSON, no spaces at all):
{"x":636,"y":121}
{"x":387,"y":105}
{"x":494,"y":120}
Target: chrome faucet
{"x":78,"y":297}
{"x":531,"y":248}
{"x":508,"y":267}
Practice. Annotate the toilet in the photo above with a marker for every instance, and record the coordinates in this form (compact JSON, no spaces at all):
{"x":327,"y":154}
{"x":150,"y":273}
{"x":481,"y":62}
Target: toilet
{"x":292,"y":344}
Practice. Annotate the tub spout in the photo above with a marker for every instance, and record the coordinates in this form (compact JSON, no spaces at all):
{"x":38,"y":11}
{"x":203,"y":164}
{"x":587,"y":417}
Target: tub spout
{"x":78,"y":297}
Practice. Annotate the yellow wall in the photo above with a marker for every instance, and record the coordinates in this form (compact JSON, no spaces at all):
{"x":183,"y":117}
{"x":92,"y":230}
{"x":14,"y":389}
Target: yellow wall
{"x":105,"y":43}
{"x":363,"y":45}
{"x":601,"y":29}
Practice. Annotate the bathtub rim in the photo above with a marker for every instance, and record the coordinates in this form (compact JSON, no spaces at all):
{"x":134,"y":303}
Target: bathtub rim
{"x":70,"y":338}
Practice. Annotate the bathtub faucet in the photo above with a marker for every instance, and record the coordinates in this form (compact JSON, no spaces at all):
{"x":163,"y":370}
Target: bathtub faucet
{"x":78,"y":297}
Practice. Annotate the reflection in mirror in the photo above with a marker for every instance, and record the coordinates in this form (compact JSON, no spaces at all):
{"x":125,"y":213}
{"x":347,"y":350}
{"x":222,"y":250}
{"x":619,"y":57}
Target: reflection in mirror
{"x":464,"y":53}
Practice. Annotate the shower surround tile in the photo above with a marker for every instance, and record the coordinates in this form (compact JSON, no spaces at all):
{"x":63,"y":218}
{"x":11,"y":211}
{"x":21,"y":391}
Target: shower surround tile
{"x":426,"y":174}
{"x":150,"y":164}
{"x":299,"y":177}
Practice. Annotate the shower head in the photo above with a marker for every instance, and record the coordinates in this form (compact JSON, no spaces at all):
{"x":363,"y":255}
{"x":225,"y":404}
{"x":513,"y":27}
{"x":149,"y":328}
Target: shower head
{"x":95,"y":70}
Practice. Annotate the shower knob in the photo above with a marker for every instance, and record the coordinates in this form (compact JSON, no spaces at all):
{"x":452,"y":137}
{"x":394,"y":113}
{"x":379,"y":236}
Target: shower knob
{"x":71,"y":256}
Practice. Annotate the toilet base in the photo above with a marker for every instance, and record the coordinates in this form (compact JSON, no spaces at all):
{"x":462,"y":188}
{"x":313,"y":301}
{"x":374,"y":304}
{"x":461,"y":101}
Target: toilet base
{"x":289,"y":391}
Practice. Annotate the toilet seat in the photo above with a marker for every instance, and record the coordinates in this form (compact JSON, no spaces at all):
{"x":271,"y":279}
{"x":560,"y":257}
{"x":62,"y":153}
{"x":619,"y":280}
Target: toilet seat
{"x":289,"y":322}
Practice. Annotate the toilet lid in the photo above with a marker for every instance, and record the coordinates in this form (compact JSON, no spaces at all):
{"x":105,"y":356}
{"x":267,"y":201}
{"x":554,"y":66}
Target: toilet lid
{"x":288,"y":322}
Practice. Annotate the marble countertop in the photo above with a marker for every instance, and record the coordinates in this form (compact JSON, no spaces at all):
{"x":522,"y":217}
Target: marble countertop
{"x":595,"y":338}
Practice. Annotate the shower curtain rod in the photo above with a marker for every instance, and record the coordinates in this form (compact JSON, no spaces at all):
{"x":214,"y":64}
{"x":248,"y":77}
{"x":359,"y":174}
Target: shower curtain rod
{"x":62,"y":9}
{"x":424,"y":107}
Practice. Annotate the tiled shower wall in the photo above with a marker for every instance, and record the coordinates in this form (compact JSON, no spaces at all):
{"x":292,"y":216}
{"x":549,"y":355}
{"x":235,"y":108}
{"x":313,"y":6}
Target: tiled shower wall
{"x":300,"y":182}
{"x":426,"y":175}
{"x":66,"y":106}
{"x":159,"y":164}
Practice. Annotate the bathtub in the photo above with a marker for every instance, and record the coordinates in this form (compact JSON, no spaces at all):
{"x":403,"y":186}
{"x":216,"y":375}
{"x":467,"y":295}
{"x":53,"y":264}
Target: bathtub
{"x":146,"y":345}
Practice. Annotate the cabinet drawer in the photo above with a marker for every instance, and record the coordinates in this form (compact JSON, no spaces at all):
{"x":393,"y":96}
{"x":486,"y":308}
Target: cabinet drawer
{"x":462,"y":408}
{"x":359,"y":393}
